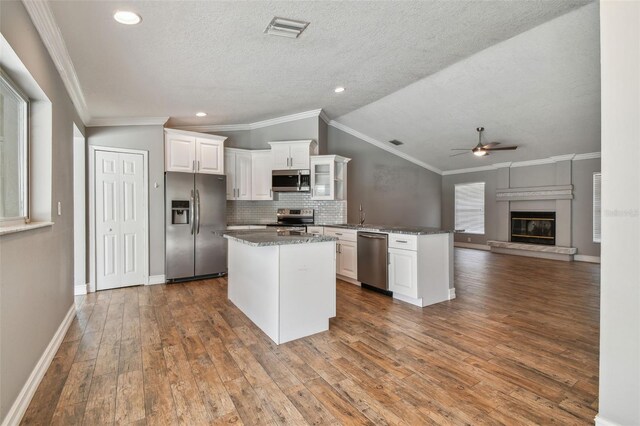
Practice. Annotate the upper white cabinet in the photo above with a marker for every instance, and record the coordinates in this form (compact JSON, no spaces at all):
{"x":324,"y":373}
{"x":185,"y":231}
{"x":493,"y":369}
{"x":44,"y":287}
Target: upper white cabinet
{"x":329,"y":177}
{"x":192,"y":152}
{"x":292,"y":155}
{"x":261,"y":175}
{"x":238,"y":170}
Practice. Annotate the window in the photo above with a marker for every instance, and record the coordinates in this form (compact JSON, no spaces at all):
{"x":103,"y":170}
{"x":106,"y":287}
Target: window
{"x":469,"y":207}
{"x":597,"y":177}
{"x":14,"y":107}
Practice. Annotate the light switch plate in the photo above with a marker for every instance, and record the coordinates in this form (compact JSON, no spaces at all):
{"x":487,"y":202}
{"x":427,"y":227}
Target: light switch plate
{"x":59,"y":208}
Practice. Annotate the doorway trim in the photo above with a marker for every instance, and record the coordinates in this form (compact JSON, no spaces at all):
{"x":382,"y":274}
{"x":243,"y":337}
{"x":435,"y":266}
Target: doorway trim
{"x":79,"y":213}
{"x":92,"y":208}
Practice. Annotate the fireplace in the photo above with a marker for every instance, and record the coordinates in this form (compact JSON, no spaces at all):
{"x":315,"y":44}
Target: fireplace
{"x":533,"y":227}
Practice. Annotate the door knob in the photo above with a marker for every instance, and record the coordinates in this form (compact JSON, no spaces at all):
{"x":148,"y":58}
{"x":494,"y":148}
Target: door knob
{"x":110,"y":229}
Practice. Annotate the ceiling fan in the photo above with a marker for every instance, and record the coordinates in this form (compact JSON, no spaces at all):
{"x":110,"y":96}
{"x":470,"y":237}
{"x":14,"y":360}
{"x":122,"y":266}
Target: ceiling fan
{"x":481,"y":150}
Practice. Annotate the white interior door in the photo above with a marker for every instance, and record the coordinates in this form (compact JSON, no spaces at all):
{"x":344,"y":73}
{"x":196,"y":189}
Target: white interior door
{"x":120,"y":220}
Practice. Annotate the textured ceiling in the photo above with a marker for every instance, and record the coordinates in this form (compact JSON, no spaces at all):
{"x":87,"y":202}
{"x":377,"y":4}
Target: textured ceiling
{"x":213,"y":56}
{"x":539,"y":90}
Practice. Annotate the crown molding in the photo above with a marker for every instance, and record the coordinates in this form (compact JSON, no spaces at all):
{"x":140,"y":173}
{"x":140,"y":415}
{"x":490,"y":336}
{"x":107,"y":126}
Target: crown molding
{"x":324,"y":117}
{"x":256,"y":125}
{"x":587,"y":156}
{"x":550,"y":160}
{"x":381,"y":145}
{"x":45,"y":23}
{"x":127,"y":121}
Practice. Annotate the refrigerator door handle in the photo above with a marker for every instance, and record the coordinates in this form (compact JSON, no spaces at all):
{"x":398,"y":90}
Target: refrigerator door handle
{"x":191,"y":212}
{"x":197,"y":211}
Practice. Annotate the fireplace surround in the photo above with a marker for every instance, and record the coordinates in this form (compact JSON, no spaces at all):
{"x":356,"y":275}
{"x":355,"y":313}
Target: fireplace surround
{"x":533,"y":227}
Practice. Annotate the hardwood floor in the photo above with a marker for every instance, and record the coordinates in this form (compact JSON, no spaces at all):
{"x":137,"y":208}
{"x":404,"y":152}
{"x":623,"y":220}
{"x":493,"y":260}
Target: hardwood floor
{"x":519,"y":345}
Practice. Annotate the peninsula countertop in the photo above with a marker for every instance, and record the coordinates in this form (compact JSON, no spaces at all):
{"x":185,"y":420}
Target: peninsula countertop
{"x":271,"y":237}
{"x":392,"y":229}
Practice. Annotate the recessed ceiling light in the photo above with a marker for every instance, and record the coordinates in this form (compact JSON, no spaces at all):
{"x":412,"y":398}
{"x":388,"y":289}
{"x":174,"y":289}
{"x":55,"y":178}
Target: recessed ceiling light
{"x":201,"y":114}
{"x":127,"y":17}
{"x":285,"y":27}
{"x":339,"y":89}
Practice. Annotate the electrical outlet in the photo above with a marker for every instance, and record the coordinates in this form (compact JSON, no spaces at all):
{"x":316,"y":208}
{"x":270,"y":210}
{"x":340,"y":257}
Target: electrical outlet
{"x":59,"y":208}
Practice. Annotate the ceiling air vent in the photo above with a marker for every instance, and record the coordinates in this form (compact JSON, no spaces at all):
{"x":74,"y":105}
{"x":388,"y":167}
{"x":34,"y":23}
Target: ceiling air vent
{"x":396,"y":142}
{"x":285,"y":27}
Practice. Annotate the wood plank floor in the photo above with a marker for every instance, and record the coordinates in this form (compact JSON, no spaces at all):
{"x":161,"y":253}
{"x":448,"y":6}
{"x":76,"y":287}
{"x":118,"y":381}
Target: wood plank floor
{"x":519,"y":345}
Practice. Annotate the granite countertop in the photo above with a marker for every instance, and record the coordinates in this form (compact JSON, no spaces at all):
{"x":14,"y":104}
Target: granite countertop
{"x":393,"y":229}
{"x":269,"y":237}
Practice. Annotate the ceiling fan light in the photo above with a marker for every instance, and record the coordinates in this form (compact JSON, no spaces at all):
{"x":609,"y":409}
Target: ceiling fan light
{"x":480,"y":152}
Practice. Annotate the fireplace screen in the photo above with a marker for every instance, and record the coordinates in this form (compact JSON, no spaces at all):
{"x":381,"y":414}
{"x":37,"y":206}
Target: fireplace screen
{"x":533,"y":227}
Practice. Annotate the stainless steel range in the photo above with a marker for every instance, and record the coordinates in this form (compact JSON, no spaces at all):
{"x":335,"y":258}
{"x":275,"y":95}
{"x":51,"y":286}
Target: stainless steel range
{"x":293,"y":219}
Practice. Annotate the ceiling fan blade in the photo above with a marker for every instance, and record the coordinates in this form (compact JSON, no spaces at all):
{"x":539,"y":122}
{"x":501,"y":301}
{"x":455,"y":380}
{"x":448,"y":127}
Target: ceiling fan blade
{"x":490,"y":145}
{"x":455,"y":155}
{"x":503,"y":148}
{"x":460,"y":149}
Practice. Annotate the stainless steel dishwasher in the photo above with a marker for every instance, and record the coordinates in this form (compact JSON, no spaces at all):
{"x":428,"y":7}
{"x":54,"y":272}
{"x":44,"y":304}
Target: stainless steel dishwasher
{"x":372,"y":260}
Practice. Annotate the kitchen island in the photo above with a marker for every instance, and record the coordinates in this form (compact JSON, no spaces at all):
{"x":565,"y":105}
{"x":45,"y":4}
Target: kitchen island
{"x":283,"y":281}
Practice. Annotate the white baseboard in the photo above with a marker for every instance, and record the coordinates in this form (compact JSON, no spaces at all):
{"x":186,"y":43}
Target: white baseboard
{"x":585,"y":258}
{"x":407,"y":299}
{"x":471,"y":246}
{"x":19,"y":407}
{"x":80,"y":289}
{"x":452,"y":293}
{"x":604,"y":422}
{"x":156,"y":279}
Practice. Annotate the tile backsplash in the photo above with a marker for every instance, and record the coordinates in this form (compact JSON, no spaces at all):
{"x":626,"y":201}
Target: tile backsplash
{"x":255,"y":212}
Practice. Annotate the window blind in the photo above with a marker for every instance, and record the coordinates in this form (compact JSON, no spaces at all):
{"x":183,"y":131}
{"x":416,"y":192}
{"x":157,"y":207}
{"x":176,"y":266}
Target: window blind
{"x":597,"y":177}
{"x":469,"y":207}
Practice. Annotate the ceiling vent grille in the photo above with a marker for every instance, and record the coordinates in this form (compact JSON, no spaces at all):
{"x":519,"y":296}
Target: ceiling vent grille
{"x":284,"y":27}
{"x":396,"y":142}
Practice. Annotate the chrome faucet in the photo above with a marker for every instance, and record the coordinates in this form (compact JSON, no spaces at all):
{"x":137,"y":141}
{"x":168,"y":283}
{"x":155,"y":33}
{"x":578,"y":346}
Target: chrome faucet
{"x":363,"y":215}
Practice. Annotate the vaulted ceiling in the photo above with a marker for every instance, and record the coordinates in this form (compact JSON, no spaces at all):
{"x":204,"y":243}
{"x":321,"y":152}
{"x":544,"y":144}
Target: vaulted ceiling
{"x":424,"y":72}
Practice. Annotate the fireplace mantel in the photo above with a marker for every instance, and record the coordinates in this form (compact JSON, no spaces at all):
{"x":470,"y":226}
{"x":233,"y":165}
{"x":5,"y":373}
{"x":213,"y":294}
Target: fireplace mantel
{"x":532,"y":193}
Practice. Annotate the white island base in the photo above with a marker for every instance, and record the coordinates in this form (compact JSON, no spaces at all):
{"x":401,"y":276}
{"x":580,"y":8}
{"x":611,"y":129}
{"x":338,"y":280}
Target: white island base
{"x":288,"y":291}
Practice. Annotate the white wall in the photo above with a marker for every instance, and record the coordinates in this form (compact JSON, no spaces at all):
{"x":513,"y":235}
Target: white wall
{"x":620,"y":279}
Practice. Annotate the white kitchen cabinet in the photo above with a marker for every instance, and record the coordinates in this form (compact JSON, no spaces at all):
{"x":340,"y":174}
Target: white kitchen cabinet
{"x":348,"y":255}
{"x":403,"y":272}
{"x":292,"y":155}
{"x":192,"y":152}
{"x":346,"y":251}
{"x":209,"y":156}
{"x":328,"y":177}
{"x":238,"y":170}
{"x":261,"y":175}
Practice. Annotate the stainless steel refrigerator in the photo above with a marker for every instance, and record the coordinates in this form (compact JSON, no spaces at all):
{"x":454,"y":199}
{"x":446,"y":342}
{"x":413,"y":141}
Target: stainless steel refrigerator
{"x":195,"y":207}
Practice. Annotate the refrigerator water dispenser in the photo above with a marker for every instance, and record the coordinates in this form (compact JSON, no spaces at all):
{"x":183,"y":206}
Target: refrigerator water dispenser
{"x":179,"y":212}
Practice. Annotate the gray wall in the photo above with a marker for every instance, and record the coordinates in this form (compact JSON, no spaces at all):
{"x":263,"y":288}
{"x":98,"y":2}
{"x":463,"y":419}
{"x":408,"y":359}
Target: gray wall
{"x":36,"y":267}
{"x":540,"y":175}
{"x":391,"y":190}
{"x":582,"y":206}
{"x":150,"y":139}
{"x":306,"y":128}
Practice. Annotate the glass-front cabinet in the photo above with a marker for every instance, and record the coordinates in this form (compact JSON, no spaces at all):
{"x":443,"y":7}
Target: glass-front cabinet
{"x":329,"y":177}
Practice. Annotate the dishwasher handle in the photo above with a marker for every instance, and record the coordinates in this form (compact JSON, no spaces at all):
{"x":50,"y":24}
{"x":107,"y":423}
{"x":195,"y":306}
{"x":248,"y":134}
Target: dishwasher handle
{"x":377,"y":237}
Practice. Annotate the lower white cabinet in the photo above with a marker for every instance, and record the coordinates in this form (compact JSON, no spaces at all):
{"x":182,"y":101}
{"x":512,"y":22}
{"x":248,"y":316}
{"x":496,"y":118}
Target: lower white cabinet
{"x":347,"y":259}
{"x":346,"y":251}
{"x":403,"y":272}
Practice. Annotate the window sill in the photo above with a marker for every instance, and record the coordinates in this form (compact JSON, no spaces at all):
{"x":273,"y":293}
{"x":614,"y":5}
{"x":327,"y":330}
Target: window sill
{"x":23,"y":227}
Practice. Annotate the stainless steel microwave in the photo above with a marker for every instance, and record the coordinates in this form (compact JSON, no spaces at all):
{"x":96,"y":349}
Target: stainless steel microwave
{"x":291,"y":181}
